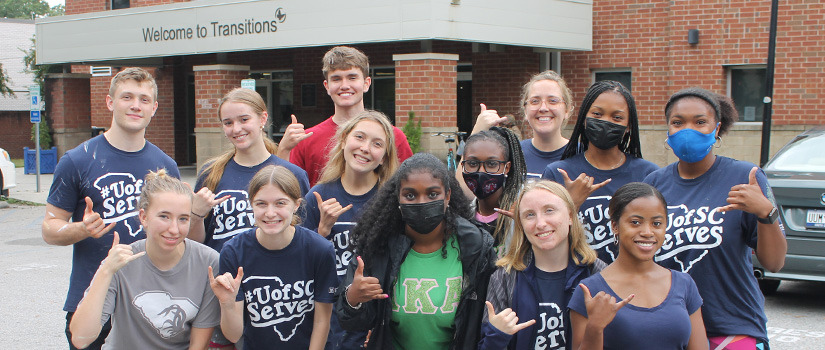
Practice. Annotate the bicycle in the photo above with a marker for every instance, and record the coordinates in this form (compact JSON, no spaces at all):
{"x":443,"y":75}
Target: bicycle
{"x":450,"y":138}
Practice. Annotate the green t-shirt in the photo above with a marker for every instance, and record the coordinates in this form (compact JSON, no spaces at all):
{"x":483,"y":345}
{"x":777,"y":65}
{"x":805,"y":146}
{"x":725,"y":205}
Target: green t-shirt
{"x":426,"y":297}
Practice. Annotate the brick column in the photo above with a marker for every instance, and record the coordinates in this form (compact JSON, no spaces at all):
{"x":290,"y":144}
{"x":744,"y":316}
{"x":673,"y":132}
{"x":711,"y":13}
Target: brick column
{"x":425,"y":83}
{"x":211,"y":83}
{"x":67,"y":106}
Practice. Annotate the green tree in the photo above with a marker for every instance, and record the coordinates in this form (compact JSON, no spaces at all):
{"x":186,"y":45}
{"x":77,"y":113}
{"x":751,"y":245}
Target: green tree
{"x":40,"y":71}
{"x":29,"y":9}
{"x":5,"y":90}
{"x":413,"y":132}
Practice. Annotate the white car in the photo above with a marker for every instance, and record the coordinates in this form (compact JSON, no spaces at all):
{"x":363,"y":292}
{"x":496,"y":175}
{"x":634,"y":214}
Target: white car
{"x":7,"y":180}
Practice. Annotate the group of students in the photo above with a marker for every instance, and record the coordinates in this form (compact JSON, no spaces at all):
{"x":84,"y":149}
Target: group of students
{"x":390,"y":250}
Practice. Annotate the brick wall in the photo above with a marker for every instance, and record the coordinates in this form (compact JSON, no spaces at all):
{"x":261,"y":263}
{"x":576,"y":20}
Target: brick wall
{"x":161,"y":131}
{"x":651,"y":40}
{"x":68,"y":109}
{"x":426,"y":87}
{"x":15,"y":132}
{"x":84,"y":6}
{"x":498,"y":78}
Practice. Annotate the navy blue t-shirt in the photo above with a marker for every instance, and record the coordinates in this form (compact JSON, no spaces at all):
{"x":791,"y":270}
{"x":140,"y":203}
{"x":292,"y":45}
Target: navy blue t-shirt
{"x":537,"y":160}
{"x":714,"y":247}
{"x":280,"y":287}
{"x":113,"y":180}
{"x":551,"y":321}
{"x":593,"y":212}
{"x":665,"y":326}
{"x":235,"y":214}
{"x":339,"y":235}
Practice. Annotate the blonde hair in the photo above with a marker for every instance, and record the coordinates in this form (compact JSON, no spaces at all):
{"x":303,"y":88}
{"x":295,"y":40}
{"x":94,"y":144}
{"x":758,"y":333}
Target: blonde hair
{"x":215,"y":167}
{"x":281,"y":178}
{"x":336,"y":164}
{"x":519,"y":245}
{"x":160,"y":182}
{"x":139,"y":75}
{"x":566,"y":94}
{"x":343,"y":58}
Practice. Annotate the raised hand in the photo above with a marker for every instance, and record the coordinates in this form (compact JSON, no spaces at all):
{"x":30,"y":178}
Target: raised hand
{"x":602,"y":308}
{"x":293,"y":134}
{"x":505,"y":212}
{"x":225,"y":286}
{"x":204,"y":200}
{"x":506,"y":320}
{"x":581,"y":187}
{"x":486,"y":119}
{"x":748,"y":198}
{"x":93,"y":222}
{"x":330,"y":211}
{"x":119,"y":255}
{"x":364,"y":288}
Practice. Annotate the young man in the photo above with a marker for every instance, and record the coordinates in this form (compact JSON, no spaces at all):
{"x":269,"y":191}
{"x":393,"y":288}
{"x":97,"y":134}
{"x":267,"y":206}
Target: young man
{"x":346,"y":79}
{"x":97,"y":185}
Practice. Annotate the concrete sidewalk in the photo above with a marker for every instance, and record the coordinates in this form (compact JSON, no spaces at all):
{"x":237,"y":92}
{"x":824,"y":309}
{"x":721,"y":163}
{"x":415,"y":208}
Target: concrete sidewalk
{"x":27,"y":184}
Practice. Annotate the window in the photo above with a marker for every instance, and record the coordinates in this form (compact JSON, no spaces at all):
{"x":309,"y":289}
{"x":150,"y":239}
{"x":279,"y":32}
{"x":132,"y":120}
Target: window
{"x":381,"y":96}
{"x":746,"y":86}
{"x":120,"y":4}
{"x":623,"y":76}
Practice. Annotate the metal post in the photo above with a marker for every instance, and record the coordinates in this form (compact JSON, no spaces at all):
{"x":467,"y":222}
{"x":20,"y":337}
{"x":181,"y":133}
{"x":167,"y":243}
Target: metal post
{"x":767,"y":101}
{"x":37,"y":153}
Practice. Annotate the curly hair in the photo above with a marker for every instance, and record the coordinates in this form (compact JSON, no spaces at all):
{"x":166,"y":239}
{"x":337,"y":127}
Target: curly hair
{"x":630,"y":143}
{"x":381,"y":216}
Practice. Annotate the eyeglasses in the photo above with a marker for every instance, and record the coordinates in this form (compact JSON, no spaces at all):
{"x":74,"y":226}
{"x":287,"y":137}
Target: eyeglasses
{"x":550,"y":101}
{"x":491,"y":166}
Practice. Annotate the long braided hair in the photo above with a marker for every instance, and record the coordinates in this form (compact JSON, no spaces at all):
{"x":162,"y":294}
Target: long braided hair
{"x":509,"y":143}
{"x":630,"y":142}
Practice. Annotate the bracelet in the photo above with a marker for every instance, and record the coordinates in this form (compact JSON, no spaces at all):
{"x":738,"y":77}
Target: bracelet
{"x":200,"y":216}
{"x":347,"y":300}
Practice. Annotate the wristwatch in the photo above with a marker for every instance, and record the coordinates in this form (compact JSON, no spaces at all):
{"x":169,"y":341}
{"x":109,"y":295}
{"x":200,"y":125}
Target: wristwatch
{"x":772,"y":217}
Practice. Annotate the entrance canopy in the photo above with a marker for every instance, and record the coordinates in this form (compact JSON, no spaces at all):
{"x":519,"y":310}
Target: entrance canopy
{"x":213,"y":26}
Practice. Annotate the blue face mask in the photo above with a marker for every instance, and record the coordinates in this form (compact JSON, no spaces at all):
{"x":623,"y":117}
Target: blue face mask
{"x":690,"y":145}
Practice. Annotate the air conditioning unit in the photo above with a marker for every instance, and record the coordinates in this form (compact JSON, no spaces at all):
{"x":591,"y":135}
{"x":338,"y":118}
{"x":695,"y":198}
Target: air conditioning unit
{"x":101,"y":71}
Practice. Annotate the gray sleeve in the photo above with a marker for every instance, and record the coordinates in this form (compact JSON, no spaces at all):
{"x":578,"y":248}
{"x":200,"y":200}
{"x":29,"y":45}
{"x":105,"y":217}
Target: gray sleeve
{"x":111,"y":299}
{"x":499,"y":291}
{"x":209,"y":314}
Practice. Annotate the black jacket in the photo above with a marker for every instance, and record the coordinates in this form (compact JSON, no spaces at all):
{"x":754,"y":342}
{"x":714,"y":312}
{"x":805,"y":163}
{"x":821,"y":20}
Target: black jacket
{"x":478,"y":263}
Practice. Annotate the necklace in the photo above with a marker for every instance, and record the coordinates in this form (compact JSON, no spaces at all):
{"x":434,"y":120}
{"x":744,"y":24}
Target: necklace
{"x":621,"y":161}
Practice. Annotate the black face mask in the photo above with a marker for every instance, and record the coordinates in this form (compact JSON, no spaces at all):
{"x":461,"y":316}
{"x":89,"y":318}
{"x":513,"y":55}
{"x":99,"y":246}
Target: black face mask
{"x":423,"y":217}
{"x":483,"y":184}
{"x":603,"y":134}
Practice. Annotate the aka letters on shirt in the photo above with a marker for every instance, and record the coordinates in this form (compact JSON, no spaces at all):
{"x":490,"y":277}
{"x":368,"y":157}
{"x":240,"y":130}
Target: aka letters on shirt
{"x":113,"y":179}
{"x":593,"y":213}
{"x":280,"y":287}
{"x":235,"y":214}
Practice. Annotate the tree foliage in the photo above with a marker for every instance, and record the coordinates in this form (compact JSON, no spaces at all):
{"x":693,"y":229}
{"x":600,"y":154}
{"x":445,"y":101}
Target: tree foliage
{"x":413,"y":132}
{"x":5,"y":90}
{"x":29,"y":9}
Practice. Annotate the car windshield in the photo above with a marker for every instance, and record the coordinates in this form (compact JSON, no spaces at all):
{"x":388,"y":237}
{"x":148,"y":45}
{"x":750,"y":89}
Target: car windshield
{"x":804,"y":155}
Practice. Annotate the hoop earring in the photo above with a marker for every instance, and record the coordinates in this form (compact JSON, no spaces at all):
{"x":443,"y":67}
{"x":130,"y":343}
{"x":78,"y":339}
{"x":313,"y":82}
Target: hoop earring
{"x":667,"y":147}
{"x":718,"y":142}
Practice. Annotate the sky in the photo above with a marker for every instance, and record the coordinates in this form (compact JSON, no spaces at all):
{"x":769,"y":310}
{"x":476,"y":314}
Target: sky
{"x":53,"y":3}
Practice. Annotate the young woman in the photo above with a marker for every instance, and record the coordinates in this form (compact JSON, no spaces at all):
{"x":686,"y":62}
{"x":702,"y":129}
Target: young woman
{"x":662,"y":302}
{"x":281,"y":296}
{"x":546,"y":103}
{"x":154,"y":290}
{"x":362,"y":159}
{"x":720,"y":212}
{"x":422,"y":267}
{"x":493,"y":172}
{"x":547,"y":258}
{"x":604,"y":154}
{"x":243,"y":115}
